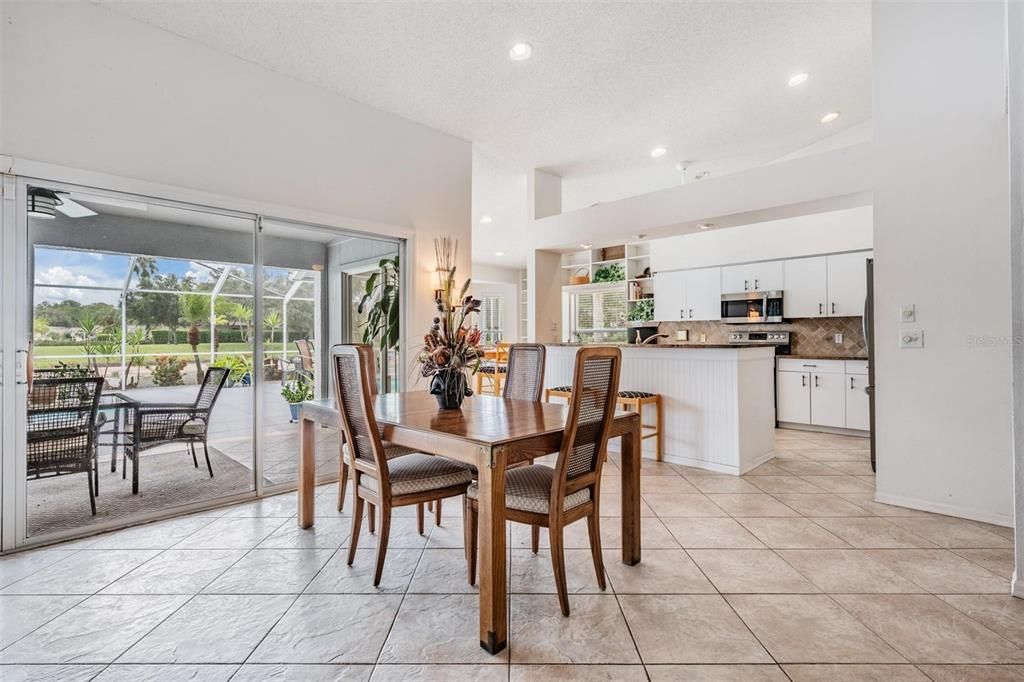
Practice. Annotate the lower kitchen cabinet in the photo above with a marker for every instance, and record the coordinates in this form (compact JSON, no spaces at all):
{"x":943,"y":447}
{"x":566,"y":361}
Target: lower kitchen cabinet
{"x":857,"y":404}
{"x":826,"y":393}
{"x":794,"y":400}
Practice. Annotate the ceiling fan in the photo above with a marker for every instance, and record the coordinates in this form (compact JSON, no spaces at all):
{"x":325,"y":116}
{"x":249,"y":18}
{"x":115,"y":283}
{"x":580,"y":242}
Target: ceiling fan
{"x":44,"y":203}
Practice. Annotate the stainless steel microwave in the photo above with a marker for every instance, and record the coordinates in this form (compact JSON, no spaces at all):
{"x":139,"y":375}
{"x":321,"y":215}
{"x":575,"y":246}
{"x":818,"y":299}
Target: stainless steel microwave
{"x":752,"y":307}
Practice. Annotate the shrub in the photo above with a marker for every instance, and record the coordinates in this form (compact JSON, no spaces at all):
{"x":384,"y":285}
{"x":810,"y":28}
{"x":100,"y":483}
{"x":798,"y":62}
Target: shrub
{"x":167,"y":370}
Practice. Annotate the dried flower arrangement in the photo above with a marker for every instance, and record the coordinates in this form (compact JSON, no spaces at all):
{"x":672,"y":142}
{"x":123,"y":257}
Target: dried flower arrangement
{"x":452,"y":346}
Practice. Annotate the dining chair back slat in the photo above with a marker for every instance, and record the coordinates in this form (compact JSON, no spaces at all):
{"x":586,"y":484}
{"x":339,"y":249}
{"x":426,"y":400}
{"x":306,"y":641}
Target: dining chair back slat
{"x":525,"y":374}
{"x":591,"y":410}
{"x":354,"y":395}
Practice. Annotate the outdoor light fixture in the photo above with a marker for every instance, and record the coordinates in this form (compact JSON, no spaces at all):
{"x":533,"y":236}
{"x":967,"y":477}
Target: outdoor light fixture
{"x":43,"y":203}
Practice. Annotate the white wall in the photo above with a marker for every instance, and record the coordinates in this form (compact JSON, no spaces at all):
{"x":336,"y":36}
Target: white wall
{"x":90,"y":89}
{"x":942,"y":243}
{"x":1015,"y":44}
{"x":830,"y":232}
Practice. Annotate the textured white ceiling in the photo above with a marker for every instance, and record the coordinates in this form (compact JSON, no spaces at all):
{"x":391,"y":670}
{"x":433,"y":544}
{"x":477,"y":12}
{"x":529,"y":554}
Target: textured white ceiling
{"x":606,"y":83}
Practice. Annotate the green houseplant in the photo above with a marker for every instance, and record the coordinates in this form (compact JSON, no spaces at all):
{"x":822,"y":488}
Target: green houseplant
{"x":296,"y":393}
{"x":380,"y":304}
{"x":643,"y":311}
{"x":610,"y":273}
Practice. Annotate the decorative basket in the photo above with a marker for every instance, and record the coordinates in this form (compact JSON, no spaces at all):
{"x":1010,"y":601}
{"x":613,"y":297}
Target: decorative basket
{"x":577,"y":278}
{"x":613,"y":252}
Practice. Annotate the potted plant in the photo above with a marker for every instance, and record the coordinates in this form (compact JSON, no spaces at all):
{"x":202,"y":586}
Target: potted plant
{"x":296,"y":393}
{"x":452,"y":345}
{"x":381,"y":307}
{"x":610,"y":273}
{"x":643,"y":311}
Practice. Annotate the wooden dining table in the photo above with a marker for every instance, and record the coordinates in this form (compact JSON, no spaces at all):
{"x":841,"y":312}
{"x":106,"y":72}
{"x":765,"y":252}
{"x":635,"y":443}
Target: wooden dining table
{"x":491,"y":433}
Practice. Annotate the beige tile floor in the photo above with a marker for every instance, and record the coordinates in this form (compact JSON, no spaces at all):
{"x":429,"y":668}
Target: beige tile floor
{"x":791,"y":572}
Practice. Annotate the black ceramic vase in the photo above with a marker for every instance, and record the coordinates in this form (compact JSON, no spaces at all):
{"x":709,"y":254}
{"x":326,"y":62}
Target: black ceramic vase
{"x":450,"y":387}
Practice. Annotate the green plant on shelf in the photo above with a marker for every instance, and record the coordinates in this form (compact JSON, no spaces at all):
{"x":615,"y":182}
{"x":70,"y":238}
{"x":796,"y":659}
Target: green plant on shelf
{"x":610,"y":273}
{"x":643,"y":311}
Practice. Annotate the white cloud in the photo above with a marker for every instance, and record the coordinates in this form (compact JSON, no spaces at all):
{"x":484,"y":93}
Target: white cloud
{"x":64,"y":277}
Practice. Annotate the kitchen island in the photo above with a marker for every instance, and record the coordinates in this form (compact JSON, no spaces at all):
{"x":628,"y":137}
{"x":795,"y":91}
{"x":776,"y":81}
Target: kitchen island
{"x":718,"y":403}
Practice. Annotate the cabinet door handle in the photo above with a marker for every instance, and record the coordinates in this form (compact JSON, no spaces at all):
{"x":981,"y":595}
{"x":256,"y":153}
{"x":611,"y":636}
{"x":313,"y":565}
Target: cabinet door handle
{"x":803,"y":379}
{"x":682,"y":314}
{"x":851,"y":383}
{"x":810,"y":365}
{"x":691,"y":313}
{"x":833,"y":308}
{"x":746,"y":286}
{"x":755,"y":285}
{"x":821,"y":308}
{"x":816,"y":377}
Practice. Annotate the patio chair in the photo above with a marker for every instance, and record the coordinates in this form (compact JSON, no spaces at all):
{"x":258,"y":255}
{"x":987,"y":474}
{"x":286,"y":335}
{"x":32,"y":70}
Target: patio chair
{"x":62,"y":425}
{"x":302,"y":366}
{"x":189,"y":423}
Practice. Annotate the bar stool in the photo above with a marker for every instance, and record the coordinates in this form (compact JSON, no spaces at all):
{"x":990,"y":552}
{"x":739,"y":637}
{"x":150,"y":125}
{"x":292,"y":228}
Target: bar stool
{"x":635,"y":401}
{"x":557,"y":392}
{"x":630,"y":401}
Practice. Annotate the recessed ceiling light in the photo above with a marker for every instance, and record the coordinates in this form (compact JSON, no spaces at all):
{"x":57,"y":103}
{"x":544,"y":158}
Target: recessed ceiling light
{"x":499,"y":253}
{"x":486,"y":219}
{"x":797,"y":79}
{"x":658,"y":152}
{"x":705,"y":226}
{"x":585,"y":246}
{"x":520,"y":51}
{"x":830,"y":116}
{"x":703,"y":174}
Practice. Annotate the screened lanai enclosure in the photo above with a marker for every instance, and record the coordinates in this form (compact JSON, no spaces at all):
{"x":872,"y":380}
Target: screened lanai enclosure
{"x":199,"y":326}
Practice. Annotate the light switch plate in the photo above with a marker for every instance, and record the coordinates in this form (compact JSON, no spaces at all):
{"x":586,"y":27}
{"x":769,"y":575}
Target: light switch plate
{"x":683,"y":335}
{"x":912,"y":338}
{"x":908,"y":312}
{"x":703,"y":337}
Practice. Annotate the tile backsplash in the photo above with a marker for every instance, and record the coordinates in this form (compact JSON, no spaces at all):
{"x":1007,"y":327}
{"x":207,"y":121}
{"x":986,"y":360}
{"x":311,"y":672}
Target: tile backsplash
{"x":808,"y":336}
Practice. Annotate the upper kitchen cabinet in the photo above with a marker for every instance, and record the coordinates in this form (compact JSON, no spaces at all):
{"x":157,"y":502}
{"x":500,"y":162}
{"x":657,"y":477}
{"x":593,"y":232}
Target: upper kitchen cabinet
{"x":806,"y":287}
{"x":847,"y":284}
{"x":688,"y":295}
{"x":669,"y":296}
{"x":766,"y":276}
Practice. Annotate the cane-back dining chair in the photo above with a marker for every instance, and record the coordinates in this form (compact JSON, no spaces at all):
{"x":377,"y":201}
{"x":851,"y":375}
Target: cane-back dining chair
{"x":542,"y":496}
{"x":62,"y":426}
{"x":524,"y":379}
{"x":411,"y":479}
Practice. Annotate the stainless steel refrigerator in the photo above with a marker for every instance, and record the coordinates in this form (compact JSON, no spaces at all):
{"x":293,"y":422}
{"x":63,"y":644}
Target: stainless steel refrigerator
{"x":869,"y":338}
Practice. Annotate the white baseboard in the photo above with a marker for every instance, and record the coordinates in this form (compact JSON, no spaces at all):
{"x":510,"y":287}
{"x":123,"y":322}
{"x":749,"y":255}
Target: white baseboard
{"x":945,"y":509}
{"x":720,"y":468}
{"x":1016,"y":588}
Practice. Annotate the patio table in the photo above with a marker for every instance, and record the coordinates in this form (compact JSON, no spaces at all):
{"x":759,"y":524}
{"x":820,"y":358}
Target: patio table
{"x":125,"y":432}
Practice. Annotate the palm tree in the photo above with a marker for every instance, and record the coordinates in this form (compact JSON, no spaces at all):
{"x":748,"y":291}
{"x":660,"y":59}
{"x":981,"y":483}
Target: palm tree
{"x":195,"y":309}
{"x":272,"y":321}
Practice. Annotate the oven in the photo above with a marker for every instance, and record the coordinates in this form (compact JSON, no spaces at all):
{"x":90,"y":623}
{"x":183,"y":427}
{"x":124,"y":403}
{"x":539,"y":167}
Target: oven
{"x":752,"y":307}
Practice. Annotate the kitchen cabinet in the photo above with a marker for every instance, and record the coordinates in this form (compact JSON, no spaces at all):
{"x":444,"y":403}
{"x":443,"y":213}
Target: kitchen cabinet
{"x":688,"y":295}
{"x":794,"y":397}
{"x":822,"y":393}
{"x":828,"y":399}
{"x":669,"y":296}
{"x":766,"y":276}
{"x":806,"y":287}
{"x":847,"y":284}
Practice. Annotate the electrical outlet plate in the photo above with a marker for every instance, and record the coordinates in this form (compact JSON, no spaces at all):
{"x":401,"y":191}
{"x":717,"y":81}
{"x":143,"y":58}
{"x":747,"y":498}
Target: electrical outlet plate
{"x":838,"y":338}
{"x":913,"y":338}
{"x":683,"y":335}
{"x":908,"y":312}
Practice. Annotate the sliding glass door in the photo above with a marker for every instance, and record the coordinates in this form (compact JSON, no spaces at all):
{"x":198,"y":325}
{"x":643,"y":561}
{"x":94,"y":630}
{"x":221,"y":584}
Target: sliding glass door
{"x":160,"y":348}
{"x":139,"y":316}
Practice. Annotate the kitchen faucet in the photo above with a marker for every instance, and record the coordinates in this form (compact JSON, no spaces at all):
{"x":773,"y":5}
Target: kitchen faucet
{"x":653,"y":338}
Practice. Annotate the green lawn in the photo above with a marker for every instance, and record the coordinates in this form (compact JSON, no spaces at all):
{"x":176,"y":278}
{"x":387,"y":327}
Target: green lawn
{"x":41,"y":353}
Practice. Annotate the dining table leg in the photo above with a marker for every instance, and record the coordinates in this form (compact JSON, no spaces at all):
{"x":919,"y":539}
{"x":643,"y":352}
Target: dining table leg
{"x":631,"y":459}
{"x":307,"y":471}
{"x":493,"y":581}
